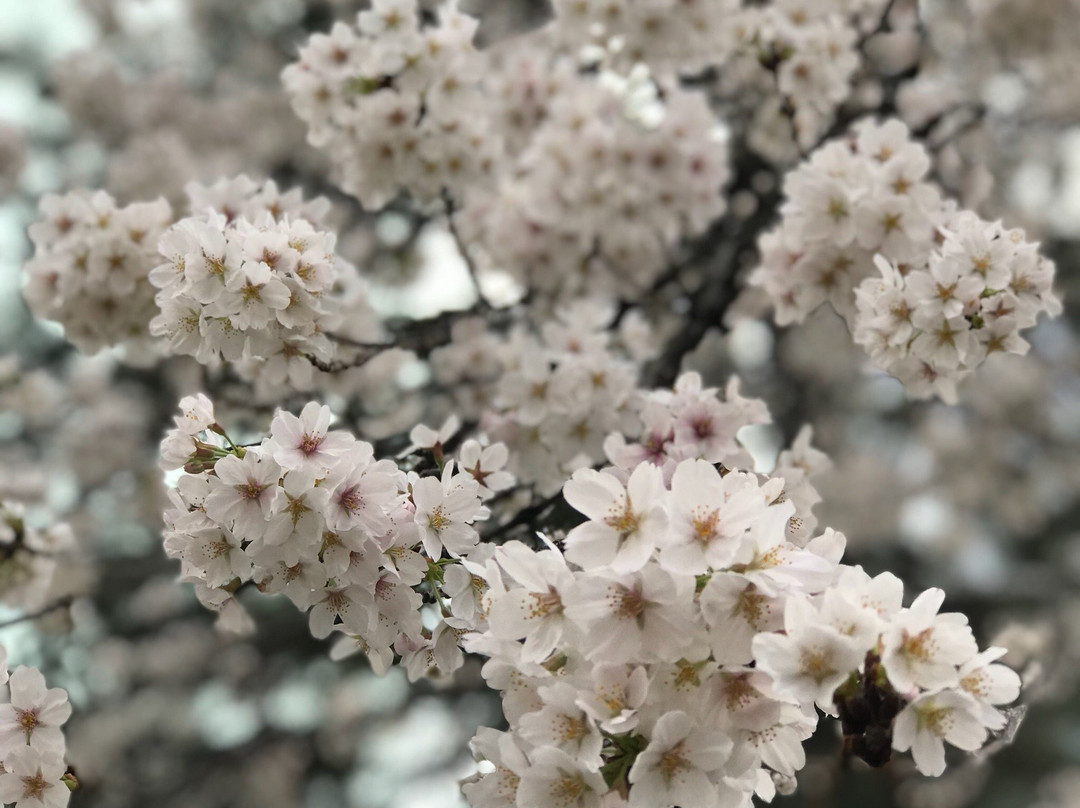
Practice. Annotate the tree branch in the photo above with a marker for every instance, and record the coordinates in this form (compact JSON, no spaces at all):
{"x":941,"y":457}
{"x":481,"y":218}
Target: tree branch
{"x":56,"y":605}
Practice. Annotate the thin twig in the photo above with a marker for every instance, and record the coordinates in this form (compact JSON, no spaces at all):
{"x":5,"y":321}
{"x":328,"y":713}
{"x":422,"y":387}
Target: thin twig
{"x":466,"y":256}
{"x":62,"y":603}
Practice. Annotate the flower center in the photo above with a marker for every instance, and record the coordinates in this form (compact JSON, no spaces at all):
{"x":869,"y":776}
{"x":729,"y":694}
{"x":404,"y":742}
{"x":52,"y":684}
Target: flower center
{"x":813,"y":663}
{"x":704,"y":524}
{"x":437,"y":519}
{"x":28,"y":719}
{"x":35,"y":786}
{"x":251,"y":490}
{"x":628,"y":604}
{"x":350,"y":500}
{"x":566,"y":790}
{"x":919,"y":647}
{"x":625,"y":521}
{"x":545,"y":603}
{"x":673,"y":761}
{"x":752,"y":606}
{"x":938,"y":720}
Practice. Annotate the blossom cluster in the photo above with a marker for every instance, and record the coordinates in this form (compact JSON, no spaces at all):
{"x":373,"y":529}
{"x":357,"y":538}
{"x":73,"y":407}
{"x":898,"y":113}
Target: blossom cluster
{"x":249,"y":277}
{"x":930,"y":325}
{"x":568,"y":179}
{"x":568,"y":398}
{"x":855,"y":197}
{"x":28,"y":557}
{"x":797,"y":60}
{"x":552,"y":396}
{"x":674,"y":650}
{"x":309,"y":512}
{"x":395,"y":104}
{"x":254,"y":291}
{"x":953,"y":288}
{"x":610,"y":179}
{"x":33,"y":773}
{"x":682,"y":35}
{"x":671,"y":647}
{"x":89,"y":269}
{"x":559,"y":396}
{"x":789,"y":65}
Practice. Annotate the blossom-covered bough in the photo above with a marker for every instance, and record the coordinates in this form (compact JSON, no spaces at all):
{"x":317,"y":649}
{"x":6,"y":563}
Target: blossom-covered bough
{"x":664,"y":622}
{"x":673,"y":647}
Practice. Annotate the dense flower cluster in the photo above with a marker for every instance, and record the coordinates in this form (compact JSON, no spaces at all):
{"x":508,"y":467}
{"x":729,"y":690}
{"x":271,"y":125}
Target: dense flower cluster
{"x":559,"y":397}
{"x":852,"y":198}
{"x":677,"y":35}
{"x":797,"y":59}
{"x":568,"y":398}
{"x":250,"y":278}
{"x":930,"y":325}
{"x":89,"y":270}
{"x":395,"y":105}
{"x":609,"y":181}
{"x":255,"y":291}
{"x":664,"y":623}
{"x":311,"y":513}
{"x":672,"y":649}
{"x":592,"y":179}
{"x":954,"y":288}
{"x":676,"y":648}
{"x":32,"y":769}
{"x":28,"y":557}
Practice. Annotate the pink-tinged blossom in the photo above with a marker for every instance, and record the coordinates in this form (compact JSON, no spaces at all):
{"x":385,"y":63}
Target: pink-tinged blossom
{"x":677,"y":766}
{"x":922,"y":649}
{"x":31,"y":779}
{"x":556,"y":778}
{"x":810,"y":660}
{"x":34,"y":715}
{"x":625,"y":522}
{"x":533,"y":610}
{"x":709,"y":514}
{"x":991,"y":684}
{"x":306,"y":442}
{"x":445,"y":511}
{"x":924,"y":725}
{"x":243,"y":490}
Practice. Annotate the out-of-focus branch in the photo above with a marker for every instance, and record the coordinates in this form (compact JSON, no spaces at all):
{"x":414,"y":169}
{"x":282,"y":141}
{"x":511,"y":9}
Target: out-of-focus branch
{"x":470,"y":264}
{"x":56,"y":605}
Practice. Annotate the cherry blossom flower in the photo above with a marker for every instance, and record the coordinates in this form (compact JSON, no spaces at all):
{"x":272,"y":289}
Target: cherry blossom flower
{"x":925,"y":724}
{"x":534,"y":610}
{"x":34,"y":715}
{"x":562,"y":725}
{"x":556,"y":778}
{"x":305,"y":442}
{"x":810,"y":660}
{"x":625,"y":523}
{"x":445,"y":509}
{"x":31,"y":779}
{"x":675,"y":769}
{"x":242,"y":492}
{"x":922,"y":648}
{"x":710,"y":515}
